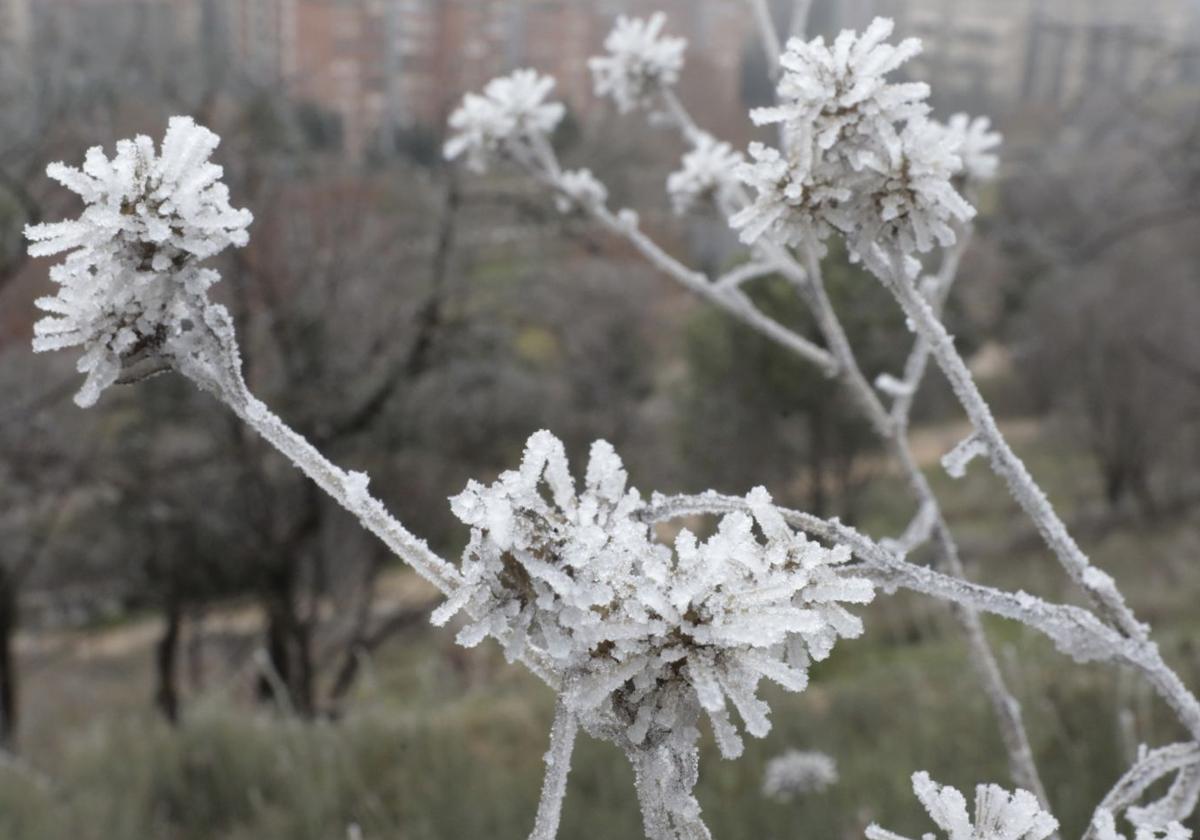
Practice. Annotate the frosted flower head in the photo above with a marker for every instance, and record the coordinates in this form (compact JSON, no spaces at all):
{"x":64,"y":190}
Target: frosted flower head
{"x":974,"y":142}
{"x":511,"y":110}
{"x":579,"y":188}
{"x":911,"y":204}
{"x":999,"y":815}
{"x":792,"y":204}
{"x":643,"y":635}
{"x":638,"y":63}
{"x":130,"y":283}
{"x":1104,"y":827}
{"x":706,"y":171}
{"x":796,"y":773}
{"x":839,"y":93}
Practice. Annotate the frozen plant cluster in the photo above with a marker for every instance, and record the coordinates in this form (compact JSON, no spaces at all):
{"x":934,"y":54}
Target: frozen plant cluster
{"x":999,"y":815}
{"x":579,"y":188}
{"x":859,"y":155}
{"x":511,"y":113}
{"x":131,"y":284}
{"x":1104,"y":827}
{"x":639,"y":62}
{"x":796,"y":773}
{"x":643,"y":634}
{"x":706,"y":172}
{"x":974,"y":142}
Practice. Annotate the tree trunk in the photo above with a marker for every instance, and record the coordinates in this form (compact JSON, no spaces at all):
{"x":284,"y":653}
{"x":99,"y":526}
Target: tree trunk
{"x":8,"y":663}
{"x":166,"y":660}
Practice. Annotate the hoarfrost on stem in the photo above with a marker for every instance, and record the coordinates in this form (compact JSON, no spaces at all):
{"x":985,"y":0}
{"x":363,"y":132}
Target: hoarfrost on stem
{"x":579,"y":189}
{"x":1104,"y":827}
{"x":130,"y":287}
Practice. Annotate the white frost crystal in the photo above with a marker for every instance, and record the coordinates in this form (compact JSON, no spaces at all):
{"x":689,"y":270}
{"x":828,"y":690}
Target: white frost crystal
{"x":706,"y":171}
{"x":838,"y":95}
{"x":975,"y":143}
{"x":910,"y":203}
{"x":1104,"y":827}
{"x":999,"y":815}
{"x":511,"y":110}
{"x":130,"y":282}
{"x":859,"y":155}
{"x":638,"y":63}
{"x":796,"y":772}
{"x":579,"y":188}
{"x":644,"y":635}
{"x":793,"y":203}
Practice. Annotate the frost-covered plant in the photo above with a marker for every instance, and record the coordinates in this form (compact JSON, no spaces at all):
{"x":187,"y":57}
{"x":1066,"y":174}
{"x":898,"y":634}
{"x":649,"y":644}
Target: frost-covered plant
{"x":975,"y":144}
{"x":792,"y":203}
{"x":510,"y":112}
{"x":859,"y":156}
{"x":646,"y":635}
{"x":796,"y":773}
{"x":1104,"y":827}
{"x":908,"y":200}
{"x":708,"y":171}
{"x":638,"y":638}
{"x":131,"y":285}
{"x":639,"y":62}
{"x":999,"y":815}
{"x":579,"y":188}
{"x":837,"y":96}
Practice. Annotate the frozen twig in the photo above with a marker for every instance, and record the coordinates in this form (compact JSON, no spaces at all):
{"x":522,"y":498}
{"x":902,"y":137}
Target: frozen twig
{"x":768,"y":35}
{"x":1151,"y":766}
{"x":558,"y":767}
{"x":1075,"y":631}
{"x":1005,"y":462}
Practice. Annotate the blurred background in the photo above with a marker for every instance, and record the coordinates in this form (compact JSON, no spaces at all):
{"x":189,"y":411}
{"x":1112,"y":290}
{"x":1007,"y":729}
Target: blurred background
{"x":195,"y":643}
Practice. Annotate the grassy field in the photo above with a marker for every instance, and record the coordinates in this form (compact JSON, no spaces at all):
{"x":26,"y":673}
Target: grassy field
{"x":441,"y":745}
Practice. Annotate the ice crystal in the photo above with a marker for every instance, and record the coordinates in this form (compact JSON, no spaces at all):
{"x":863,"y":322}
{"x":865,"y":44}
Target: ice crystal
{"x":858,"y":155}
{"x":707,"y":171}
{"x":130,"y":283}
{"x":795,"y":773}
{"x":974,"y":142}
{"x":645,"y":635}
{"x":511,"y":110}
{"x":911,"y":204}
{"x":792,"y":204}
{"x":1104,"y":827}
{"x":999,"y":815}
{"x":639,"y":61}
{"x":838,"y":95}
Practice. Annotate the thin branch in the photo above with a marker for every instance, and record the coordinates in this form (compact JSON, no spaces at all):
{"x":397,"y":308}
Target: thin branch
{"x":799,"y":25}
{"x":222,"y":377}
{"x":1075,"y":631}
{"x":768,"y":35}
{"x":1025,"y":490}
{"x":743,"y":273}
{"x":558,"y":767}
